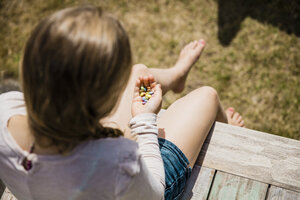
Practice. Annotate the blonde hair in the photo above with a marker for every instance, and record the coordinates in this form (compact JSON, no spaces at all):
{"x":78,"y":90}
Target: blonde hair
{"x":76,"y":63}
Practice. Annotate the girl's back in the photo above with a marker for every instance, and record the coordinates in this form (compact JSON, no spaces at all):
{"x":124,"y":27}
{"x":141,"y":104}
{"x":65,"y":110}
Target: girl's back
{"x":93,"y":170}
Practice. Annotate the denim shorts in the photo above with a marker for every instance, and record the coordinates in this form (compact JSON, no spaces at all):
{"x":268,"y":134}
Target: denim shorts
{"x":176,"y":167}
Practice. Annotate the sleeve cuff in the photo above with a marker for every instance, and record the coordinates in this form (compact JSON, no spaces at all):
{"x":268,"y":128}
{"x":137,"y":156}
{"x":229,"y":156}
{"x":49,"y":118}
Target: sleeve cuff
{"x":144,"y":123}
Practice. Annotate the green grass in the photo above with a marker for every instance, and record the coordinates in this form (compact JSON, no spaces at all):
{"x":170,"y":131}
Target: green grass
{"x":258,"y":73}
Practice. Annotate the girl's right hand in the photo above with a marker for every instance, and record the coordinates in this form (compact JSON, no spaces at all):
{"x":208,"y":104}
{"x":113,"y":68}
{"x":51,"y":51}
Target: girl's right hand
{"x":154,"y":103}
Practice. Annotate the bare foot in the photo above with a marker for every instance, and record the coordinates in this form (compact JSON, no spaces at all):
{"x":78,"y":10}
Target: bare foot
{"x":188,"y":56}
{"x":234,"y":118}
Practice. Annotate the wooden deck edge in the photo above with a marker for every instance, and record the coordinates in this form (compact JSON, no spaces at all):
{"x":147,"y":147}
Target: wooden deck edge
{"x":252,"y":154}
{"x":207,"y":183}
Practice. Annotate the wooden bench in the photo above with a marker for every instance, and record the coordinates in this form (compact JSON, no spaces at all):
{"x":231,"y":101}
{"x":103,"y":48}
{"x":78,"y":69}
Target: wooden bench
{"x":239,"y":163}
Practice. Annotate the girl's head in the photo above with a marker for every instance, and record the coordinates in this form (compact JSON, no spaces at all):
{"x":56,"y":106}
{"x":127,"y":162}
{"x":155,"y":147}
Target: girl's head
{"x":76,"y":63}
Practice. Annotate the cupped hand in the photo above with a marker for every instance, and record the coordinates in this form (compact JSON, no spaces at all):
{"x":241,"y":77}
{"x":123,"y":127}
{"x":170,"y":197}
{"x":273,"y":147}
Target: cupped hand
{"x":154,"y":103}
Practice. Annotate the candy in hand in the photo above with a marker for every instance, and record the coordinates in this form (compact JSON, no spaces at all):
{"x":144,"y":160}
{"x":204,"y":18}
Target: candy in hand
{"x":146,"y":94}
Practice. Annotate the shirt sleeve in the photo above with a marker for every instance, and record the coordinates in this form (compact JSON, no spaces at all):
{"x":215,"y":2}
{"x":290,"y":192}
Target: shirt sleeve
{"x":149,"y":183}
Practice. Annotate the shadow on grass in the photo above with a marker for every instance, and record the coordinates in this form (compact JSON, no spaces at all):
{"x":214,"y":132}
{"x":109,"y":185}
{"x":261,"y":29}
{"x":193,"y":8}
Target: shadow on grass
{"x":280,"y":13}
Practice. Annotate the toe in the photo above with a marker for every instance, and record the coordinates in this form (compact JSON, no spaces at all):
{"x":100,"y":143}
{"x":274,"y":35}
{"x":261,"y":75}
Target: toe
{"x":229,"y":112}
{"x":236,"y":116}
{"x":200,"y":46}
{"x":239,"y":119}
{"x":242,"y":124}
{"x":201,"y":41}
{"x":231,"y":109}
{"x":194,"y":45}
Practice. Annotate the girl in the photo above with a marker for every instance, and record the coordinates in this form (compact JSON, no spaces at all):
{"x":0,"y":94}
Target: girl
{"x":62,"y":138}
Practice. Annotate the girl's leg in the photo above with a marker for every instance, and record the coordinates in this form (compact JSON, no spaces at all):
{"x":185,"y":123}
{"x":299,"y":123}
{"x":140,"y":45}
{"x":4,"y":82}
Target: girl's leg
{"x":170,"y":79}
{"x":188,"y":120}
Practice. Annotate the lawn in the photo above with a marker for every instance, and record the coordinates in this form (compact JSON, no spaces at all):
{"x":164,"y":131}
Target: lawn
{"x":252,"y":56}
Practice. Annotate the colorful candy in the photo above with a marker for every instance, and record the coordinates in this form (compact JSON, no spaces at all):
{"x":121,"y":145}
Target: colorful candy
{"x":146,"y":94}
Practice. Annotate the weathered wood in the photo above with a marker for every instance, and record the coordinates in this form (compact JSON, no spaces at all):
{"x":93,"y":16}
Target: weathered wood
{"x":198,"y":184}
{"x":276,"y":193}
{"x":228,"y":186}
{"x":7,"y":195}
{"x":252,"y":154}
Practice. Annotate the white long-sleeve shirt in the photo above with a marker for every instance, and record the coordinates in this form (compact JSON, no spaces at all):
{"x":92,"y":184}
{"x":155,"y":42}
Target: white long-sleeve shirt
{"x":110,"y":168}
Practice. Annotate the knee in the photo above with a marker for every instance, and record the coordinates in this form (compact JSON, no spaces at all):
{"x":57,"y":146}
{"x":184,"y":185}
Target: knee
{"x":208,"y":92}
{"x":139,"y":69}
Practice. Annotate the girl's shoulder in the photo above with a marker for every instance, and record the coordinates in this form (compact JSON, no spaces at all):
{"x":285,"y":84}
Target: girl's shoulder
{"x":11,"y":95}
{"x":11,"y":103}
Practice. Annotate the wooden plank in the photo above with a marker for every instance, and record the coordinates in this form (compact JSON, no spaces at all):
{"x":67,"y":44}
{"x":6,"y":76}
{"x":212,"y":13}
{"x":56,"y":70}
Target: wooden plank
{"x":7,"y":195}
{"x":277,"y":193}
{"x":198,"y":184}
{"x":228,"y":186}
{"x":252,"y":154}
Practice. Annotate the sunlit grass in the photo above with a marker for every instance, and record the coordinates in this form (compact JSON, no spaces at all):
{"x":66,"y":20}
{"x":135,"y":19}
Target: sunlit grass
{"x":258,"y":73}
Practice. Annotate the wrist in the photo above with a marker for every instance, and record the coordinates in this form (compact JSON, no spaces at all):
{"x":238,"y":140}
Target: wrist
{"x":134,"y":114}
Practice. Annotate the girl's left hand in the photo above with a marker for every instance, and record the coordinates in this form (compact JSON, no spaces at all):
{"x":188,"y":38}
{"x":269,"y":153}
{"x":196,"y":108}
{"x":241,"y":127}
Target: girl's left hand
{"x":154,"y":103}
